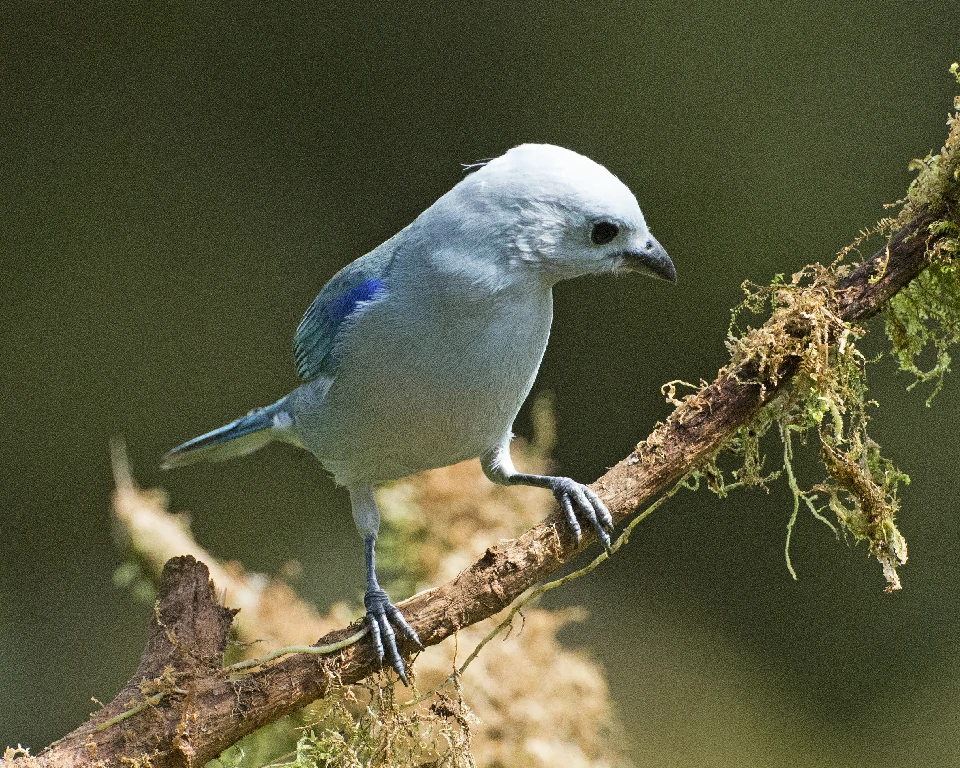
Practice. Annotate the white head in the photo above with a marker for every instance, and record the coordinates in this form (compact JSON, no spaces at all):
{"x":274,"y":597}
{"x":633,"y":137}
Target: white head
{"x":554,"y":211}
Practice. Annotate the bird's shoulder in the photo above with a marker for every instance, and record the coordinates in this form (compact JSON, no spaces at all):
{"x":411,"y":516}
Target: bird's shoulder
{"x":347,"y":292}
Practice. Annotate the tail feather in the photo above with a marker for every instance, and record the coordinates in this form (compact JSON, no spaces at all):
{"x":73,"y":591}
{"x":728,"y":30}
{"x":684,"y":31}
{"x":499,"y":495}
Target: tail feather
{"x":238,"y":438}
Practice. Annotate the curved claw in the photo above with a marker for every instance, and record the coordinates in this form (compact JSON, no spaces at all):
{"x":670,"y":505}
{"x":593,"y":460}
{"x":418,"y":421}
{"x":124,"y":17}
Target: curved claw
{"x":382,"y":615}
{"x":603,"y":514}
{"x":576,"y":498}
{"x":571,"y":514}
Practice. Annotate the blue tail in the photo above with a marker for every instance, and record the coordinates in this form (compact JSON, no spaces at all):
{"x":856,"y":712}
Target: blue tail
{"x":238,"y":438}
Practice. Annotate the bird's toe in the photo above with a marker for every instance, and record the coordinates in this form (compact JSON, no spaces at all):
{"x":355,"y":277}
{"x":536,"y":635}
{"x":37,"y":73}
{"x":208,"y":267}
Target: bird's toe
{"x":606,"y":519}
{"x":374,"y":624}
{"x":567,"y":506}
{"x":398,"y":619}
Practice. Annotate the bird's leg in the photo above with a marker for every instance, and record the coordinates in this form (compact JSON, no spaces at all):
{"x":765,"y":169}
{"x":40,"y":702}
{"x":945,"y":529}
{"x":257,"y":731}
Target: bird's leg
{"x":382,"y":615}
{"x":574,"y":498}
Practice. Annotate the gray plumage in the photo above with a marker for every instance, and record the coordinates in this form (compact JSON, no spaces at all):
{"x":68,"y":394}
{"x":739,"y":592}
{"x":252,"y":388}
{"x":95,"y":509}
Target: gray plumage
{"x":420,"y":354}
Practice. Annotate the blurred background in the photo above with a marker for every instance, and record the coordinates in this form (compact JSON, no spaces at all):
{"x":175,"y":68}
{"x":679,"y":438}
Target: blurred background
{"x":180,"y":179}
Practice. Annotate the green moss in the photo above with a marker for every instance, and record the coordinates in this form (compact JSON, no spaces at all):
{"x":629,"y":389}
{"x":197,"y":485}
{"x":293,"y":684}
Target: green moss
{"x":828,"y":398}
{"x":923,"y":320}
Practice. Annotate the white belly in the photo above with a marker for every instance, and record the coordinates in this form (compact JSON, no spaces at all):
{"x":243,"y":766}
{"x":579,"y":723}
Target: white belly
{"x":416,"y":393}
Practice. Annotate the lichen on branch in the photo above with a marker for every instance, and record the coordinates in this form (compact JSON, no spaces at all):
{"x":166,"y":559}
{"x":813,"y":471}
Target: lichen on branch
{"x":923,"y":320}
{"x":811,"y":348}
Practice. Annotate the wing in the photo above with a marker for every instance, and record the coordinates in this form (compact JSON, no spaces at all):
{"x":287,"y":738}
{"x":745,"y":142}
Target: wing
{"x":314,"y":345}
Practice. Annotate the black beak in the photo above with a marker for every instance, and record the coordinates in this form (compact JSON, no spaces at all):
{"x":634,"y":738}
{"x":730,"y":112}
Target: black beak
{"x":651,"y":260}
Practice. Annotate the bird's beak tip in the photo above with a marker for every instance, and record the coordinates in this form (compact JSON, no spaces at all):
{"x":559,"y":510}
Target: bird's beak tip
{"x":654,"y":262}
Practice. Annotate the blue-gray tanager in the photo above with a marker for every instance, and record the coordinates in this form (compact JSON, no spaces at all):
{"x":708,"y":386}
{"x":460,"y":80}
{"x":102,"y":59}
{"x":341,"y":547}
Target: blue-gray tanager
{"x":420,"y":354}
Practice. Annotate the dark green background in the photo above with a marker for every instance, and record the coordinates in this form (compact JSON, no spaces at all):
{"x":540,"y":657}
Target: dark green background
{"x":179,"y":180}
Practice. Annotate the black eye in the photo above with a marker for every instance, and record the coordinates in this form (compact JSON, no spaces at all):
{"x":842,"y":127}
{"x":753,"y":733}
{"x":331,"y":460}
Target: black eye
{"x":604,"y":232}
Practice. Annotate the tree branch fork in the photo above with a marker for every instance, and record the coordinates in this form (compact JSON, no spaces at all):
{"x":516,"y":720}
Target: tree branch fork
{"x":181,"y":708}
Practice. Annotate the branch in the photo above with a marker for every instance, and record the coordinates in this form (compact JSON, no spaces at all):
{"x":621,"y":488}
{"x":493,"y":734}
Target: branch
{"x":182,"y":709}
{"x":196,"y":711}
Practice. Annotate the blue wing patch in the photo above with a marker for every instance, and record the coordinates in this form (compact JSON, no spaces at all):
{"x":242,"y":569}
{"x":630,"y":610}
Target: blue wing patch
{"x":348,"y":290}
{"x":341,"y":308}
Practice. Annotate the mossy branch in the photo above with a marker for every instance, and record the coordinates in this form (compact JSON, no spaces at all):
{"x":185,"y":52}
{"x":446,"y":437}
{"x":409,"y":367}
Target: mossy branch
{"x":204,"y":709}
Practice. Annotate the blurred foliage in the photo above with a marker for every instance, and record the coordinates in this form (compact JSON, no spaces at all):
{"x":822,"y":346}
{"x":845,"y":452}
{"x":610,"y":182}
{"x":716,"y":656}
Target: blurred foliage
{"x":527,"y":701}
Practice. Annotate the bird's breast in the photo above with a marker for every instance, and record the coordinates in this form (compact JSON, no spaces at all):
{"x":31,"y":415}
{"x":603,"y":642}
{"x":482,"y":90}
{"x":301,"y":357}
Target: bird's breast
{"x":427,"y":386}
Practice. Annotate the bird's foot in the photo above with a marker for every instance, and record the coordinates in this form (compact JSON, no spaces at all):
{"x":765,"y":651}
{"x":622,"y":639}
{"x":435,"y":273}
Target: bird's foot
{"x":577,"y":499}
{"x":380,"y":613}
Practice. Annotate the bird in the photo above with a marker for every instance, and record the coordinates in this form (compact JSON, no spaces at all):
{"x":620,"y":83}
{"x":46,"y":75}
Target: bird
{"x":420,"y":353}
